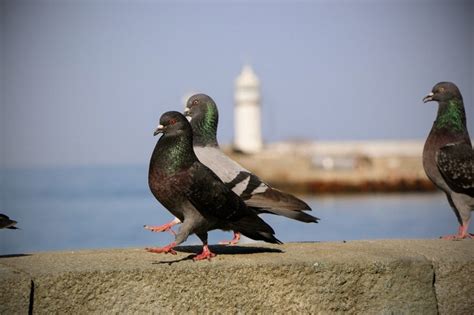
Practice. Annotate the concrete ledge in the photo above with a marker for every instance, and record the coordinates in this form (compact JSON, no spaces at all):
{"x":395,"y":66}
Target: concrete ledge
{"x":393,"y":276}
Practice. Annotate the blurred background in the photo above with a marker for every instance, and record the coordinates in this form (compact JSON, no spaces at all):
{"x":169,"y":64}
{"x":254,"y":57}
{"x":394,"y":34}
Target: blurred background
{"x":83,"y":84}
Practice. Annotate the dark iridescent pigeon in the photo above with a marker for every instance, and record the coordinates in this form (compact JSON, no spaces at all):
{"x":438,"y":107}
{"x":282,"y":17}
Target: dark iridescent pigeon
{"x":6,"y":223}
{"x":202,"y":112}
{"x":448,"y":156}
{"x":193,"y":193}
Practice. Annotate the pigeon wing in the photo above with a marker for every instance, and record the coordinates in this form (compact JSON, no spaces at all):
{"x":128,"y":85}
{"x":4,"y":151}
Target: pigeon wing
{"x":211,"y":197}
{"x":455,"y":162}
{"x":251,"y":188}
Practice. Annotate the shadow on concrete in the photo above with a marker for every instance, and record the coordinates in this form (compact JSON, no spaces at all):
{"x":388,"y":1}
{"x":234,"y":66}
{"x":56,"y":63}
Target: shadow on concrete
{"x":219,"y":250}
{"x":170,"y":262}
{"x":228,"y":250}
{"x":14,"y":255}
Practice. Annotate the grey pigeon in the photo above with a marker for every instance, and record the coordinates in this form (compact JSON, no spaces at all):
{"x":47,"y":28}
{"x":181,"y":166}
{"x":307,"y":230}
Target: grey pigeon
{"x":202,"y":112}
{"x":193,"y":193}
{"x":7,"y":223}
{"x":448,"y":157}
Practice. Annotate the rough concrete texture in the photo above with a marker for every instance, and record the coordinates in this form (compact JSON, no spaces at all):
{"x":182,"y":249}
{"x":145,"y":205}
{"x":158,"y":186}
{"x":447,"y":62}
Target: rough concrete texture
{"x":14,"y":290}
{"x":382,"y":277}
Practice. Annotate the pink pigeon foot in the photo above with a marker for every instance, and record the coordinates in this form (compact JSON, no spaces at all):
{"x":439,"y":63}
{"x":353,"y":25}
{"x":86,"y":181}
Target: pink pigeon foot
{"x":206,"y":254}
{"x":163,"y":228}
{"x":462,"y":234}
{"x":233,"y":241}
{"x":166,"y":249}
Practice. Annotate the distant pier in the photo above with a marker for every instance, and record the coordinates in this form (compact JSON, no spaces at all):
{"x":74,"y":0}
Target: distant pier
{"x":309,"y":167}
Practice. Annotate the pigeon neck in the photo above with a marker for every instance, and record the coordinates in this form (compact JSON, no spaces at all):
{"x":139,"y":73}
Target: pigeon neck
{"x":451,"y":116}
{"x":205,"y":127}
{"x":173,"y":153}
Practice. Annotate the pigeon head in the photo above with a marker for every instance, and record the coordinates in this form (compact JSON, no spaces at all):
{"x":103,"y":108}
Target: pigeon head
{"x":443,"y":92}
{"x":202,"y":113}
{"x":200,"y":105}
{"x":173,"y":123}
{"x":451,"y":115}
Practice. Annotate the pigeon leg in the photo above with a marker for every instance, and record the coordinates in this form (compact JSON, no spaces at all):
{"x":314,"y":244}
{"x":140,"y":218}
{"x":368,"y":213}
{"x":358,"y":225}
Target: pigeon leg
{"x":233,"y":241}
{"x":166,"y":249}
{"x":164,"y":227}
{"x":206,"y":253}
{"x":180,"y":237}
{"x":462,"y":233}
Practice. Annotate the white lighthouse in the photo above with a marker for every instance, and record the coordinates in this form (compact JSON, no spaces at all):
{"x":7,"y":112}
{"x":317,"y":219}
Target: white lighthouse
{"x":247,"y":123}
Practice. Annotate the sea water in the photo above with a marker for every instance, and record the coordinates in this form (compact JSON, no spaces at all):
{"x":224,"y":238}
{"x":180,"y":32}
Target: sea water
{"x":106,"y":207}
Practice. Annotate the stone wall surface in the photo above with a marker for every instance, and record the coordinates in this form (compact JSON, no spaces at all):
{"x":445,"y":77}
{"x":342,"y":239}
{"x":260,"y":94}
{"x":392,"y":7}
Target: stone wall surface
{"x":369,"y":277}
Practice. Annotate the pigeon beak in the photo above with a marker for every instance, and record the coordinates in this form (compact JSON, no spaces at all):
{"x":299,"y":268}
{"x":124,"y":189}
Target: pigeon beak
{"x":428,"y":98}
{"x":158,"y":130}
{"x":186,"y":113}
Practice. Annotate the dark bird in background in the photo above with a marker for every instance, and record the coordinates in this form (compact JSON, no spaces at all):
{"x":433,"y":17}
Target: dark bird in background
{"x":201,"y":111}
{"x":6,"y":223}
{"x":193,"y":193}
{"x":448,"y":157}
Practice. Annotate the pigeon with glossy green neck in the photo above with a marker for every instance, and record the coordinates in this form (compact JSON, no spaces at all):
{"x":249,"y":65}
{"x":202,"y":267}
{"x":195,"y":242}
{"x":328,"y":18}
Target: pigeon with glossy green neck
{"x":201,"y":111}
{"x":448,"y":157}
{"x":193,"y":193}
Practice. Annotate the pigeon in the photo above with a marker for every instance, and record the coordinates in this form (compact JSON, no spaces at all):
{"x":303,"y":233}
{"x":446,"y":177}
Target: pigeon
{"x":193,"y":193}
{"x":448,"y":157}
{"x":6,"y":223}
{"x":201,"y":111}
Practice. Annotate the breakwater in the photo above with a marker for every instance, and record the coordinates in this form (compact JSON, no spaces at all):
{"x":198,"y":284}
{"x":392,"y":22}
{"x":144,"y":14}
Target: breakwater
{"x":382,"y":276}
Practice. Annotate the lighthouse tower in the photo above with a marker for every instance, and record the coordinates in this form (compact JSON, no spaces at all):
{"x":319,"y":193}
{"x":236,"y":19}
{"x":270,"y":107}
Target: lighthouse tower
{"x":247,"y":124}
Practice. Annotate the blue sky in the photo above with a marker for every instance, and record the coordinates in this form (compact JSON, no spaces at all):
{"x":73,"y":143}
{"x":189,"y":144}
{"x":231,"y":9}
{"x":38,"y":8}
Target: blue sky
{"x":85,"y":82}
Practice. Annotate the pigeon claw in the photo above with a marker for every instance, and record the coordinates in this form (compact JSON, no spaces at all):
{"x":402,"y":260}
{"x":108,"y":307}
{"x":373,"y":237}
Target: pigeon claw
{"x":457,"y":237}
{"x":206,"y":254}
{"x":234,"y":241}
{"x":462,"y":234}
{"x":161,"y":228}
{"x":168,"y":249}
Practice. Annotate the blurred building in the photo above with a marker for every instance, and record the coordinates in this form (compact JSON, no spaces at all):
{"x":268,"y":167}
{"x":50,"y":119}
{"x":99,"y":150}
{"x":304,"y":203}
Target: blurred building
{"x":247,"y":120}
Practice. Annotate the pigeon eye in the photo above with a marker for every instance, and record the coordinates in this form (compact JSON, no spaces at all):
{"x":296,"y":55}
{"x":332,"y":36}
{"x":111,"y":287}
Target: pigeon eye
{"x":195,"y":102}
{"x":172,"y":121}
{"x":441,"y":89}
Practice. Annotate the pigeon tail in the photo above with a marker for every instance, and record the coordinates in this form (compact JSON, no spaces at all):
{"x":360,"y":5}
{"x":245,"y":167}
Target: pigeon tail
{"x":269,"y":238}
{"x":295,"y":215}
{"x":277,"y":202}
{"x":255,"y":228}
{"x":273,"y":198}
{"x":7,"y":223}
